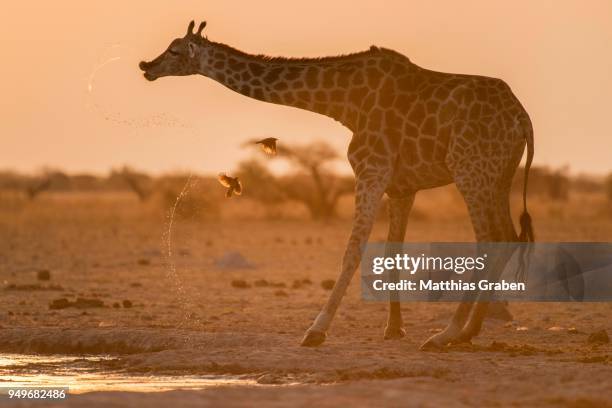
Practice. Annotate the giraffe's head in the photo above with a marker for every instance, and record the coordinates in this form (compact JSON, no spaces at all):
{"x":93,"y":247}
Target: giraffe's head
{"x":182,"y":57}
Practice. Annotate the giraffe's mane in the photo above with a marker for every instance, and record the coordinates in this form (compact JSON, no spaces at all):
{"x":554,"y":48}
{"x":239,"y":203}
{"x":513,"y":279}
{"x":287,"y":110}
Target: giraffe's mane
{"x":372,"y":51}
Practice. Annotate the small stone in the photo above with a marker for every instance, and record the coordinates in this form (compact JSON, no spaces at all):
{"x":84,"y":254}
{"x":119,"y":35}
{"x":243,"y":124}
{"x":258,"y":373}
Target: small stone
{"x":328,"y":284}
{"x":80,"y":303}
{"x":240,"y":284}
{"x":127,"y":303}
{"x":43,"y":274}
{"x":280,"y":293}
{"x":83,"y":303}
{"x":32,"y":287}
{"x":116,"y":305}
{"x":599,"y":337}
{"x":61,"y":303}
{"x":144,"y":262}
{"x":306,"y":281}
{"x":233,"y":260}
{"x":522,"y":328}
{"x":556,"y":328}
{"x":573,"y":330}
{"x":260,"y":283}
{"x":136,"y":284}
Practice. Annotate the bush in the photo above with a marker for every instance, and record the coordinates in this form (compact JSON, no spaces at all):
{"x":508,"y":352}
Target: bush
{"x":554,"y":184}
{"x":608,"y":185}
{"x":261,"y":185}
{"x":321,"y":198}
{"x":140,"y":183}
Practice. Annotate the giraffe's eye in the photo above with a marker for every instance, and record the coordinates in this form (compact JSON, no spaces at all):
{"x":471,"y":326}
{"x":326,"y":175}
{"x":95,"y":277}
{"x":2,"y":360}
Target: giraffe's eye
{"x":173,"y":52}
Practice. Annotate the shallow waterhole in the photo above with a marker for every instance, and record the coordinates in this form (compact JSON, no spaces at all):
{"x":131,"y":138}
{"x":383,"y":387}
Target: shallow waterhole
{"x":88,"y":373}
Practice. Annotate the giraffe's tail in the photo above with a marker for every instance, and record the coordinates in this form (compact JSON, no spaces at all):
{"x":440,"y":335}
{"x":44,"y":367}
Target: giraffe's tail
{"x":527,"y":234}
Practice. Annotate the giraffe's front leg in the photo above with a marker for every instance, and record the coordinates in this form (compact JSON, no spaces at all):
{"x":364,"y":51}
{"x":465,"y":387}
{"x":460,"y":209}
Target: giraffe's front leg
{"x":368,"y":192}
{"x":399,"y":209}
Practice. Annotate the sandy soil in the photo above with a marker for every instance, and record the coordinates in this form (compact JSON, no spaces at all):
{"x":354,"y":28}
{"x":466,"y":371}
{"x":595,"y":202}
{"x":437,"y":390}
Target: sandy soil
{"x":196,"y":318}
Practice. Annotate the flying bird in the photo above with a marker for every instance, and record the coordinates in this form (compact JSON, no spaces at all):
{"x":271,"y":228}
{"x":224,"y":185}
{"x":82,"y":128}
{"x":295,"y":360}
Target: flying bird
{"x":268,"y":145}
{"x":232,"y":183}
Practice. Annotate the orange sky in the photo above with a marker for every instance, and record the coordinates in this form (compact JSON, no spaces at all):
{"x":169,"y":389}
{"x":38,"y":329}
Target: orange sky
{"x":556,"y":55}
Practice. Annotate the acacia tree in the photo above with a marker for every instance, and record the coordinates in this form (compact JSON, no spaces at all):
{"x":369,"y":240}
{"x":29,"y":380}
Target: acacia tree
{"x":312,"y":181}
{"x":37,"y":186}
{"x":140,"y":183}
{"x":48,"y":178}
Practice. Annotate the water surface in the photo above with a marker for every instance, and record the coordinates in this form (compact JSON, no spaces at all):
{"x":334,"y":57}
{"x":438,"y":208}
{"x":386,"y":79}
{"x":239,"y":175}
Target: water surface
{"x":84,"y":374}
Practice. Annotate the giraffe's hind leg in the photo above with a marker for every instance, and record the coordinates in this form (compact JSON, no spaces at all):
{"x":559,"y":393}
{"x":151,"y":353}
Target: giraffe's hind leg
{"x":505,"y":232}
{"x":399,"y":209}
{"x":492,"y":223}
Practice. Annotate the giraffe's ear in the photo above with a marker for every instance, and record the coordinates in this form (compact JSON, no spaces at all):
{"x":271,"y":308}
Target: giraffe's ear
{"x":192,"y":49}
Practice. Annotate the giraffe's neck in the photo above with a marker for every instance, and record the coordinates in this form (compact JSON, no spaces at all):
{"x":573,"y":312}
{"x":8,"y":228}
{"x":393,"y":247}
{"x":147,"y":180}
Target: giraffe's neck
{"x":336,"y":86}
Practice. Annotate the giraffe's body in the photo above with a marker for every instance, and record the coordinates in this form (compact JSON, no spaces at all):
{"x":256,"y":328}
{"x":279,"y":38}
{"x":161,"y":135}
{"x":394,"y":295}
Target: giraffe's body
{"x":413,"y":129}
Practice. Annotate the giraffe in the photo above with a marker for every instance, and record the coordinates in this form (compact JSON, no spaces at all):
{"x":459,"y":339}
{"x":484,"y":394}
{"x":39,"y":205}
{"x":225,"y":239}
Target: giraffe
{"x":413,"y":129}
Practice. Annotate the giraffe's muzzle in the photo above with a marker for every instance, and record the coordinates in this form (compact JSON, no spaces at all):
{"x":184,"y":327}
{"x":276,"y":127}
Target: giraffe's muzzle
{"x":146,"y":66}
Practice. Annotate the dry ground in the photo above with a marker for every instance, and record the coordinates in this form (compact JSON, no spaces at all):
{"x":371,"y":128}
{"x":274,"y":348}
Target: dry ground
{"x":192,"y":320}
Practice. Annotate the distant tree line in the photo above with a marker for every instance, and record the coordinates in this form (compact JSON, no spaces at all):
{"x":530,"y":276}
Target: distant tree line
{"x":556,"y":184}
{"x":310,"y":180}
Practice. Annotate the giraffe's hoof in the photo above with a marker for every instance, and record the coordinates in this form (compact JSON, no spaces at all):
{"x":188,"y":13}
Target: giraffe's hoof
{"x":463,"y":337}
{"x":394,"y":332}
{"x":431,"y":345}
{"x":313,"y":338}
{"x":499,"y":311}
{"x":435,"y":343}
